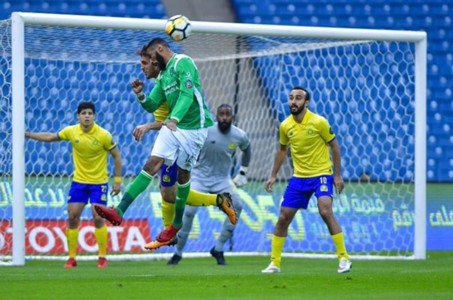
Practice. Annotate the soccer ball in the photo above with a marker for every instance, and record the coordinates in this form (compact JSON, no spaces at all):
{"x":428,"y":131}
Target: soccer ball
{"x":178,"y":28}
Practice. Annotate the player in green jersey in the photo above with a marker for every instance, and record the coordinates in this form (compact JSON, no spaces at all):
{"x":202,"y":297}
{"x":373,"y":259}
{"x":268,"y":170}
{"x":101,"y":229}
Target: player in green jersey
{"x":183,"y":134}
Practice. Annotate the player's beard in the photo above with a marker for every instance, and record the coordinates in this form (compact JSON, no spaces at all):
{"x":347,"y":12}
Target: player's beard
{"x":298,"y":110}
{"x":224,"y":127}
{"x":161,"y":62}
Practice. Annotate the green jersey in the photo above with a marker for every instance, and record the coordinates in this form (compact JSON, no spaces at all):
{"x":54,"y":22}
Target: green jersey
{"x":179,"y":85}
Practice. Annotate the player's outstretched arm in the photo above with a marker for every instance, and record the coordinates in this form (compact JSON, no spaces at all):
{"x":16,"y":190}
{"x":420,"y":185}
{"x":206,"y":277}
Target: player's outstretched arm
{"x":42,"y":136}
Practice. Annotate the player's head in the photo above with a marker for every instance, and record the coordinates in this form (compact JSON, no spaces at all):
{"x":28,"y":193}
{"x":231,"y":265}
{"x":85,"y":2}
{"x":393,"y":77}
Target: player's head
{"x":159,"y":51}
{"x":299,"y":99}
{"x":86,"y":112}
{"x":224,"y":117}
{"x":149,"y":67}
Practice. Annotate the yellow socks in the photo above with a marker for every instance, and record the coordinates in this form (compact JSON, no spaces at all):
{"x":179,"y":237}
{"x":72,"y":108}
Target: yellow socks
{"x":201,"y":199}
{"x":101,"y":238}
{"x":277,"y":248}
{"x":72,"y":236}
{"x":338,"y":240}
{"x":168,"y":213}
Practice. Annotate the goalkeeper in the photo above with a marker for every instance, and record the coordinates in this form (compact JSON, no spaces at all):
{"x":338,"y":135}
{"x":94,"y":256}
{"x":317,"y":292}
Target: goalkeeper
{"x":212,"y":174}
{"x":309,"y":135}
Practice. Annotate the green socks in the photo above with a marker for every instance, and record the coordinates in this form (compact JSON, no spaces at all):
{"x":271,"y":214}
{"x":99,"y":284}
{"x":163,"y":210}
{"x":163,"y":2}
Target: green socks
{"x":182,"y":192}
{"x":137,"y":186}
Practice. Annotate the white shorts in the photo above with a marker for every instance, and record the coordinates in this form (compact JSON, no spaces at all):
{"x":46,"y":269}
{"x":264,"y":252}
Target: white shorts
{"x":182,"y":146}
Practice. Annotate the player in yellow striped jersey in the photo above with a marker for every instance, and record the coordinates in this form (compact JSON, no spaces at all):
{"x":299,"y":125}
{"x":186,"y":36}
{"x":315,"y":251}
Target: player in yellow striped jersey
{"x":168,"y":176}
{"x":91,"y":143}
{"x":309,"y":136}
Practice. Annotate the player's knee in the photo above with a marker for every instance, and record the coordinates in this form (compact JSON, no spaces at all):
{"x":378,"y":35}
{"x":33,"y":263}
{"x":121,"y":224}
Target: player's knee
{"x":229,"y":228}
{"x":237,"y":206}
{"x":168,"y":195}
{"x":153,"y":165}
{"x":98,"y":222}
{"x":325,"y":211}
{"x":183,"y":176}
{"x":183,"y":235}
{"x":189,"y":212}
{"x":73,"y":221}
{"x":284,"y":220}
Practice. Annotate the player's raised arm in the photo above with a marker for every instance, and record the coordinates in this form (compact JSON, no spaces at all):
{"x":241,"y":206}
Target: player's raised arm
{"x":151,"y":102}
{"x":151,"y":69}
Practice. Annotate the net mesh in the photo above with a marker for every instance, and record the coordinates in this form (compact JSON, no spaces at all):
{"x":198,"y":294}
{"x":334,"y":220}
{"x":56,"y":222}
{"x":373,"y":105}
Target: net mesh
{"x":364,"y":88}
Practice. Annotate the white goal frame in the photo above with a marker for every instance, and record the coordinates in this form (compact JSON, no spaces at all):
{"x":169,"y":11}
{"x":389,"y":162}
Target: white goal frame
{"x":20,"y":20}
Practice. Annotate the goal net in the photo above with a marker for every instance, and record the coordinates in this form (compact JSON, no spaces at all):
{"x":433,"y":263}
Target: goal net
{"x":364,"y":82}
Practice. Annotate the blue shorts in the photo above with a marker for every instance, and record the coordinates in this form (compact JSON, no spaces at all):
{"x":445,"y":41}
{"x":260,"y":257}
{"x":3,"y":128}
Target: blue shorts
{"x":299,"y":190}
{"x":82,"y":192}
{"x":168,"y":175}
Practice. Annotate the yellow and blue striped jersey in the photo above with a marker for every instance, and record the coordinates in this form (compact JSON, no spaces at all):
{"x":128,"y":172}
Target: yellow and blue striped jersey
{"x":308,"y":141}
{"x":89,"y":152}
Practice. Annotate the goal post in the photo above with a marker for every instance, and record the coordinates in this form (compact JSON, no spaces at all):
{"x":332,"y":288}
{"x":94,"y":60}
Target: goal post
{"x":370,"y":84}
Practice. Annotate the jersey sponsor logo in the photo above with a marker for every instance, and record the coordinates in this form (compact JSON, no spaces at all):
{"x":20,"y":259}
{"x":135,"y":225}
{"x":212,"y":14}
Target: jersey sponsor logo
{"x":189,"y":84}
{"x":310,"y":131}
{"x":173,"y":87}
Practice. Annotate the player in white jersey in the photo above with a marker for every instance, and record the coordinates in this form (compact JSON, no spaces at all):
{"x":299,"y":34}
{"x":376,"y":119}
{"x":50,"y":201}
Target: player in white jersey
{"x":211,"y":174}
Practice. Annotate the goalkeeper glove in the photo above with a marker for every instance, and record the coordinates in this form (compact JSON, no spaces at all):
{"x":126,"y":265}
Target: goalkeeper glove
{"x":240,"y":178}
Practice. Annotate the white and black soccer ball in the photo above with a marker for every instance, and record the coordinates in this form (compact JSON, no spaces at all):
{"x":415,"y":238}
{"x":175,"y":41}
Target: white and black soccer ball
{"x":178,"y":28}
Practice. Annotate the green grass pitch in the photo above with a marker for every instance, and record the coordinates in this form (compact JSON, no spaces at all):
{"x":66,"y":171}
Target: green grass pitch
{"x":201,"y":278}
